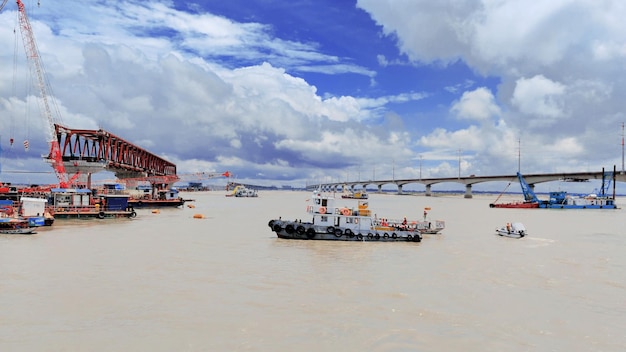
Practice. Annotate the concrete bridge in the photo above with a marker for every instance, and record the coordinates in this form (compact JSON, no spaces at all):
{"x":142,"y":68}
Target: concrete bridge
{"x":531,"y":179}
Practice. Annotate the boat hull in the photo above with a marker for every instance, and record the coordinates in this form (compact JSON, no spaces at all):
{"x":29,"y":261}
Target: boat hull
{"x":517,"y":205}
{"x":156,"y":203}
{"x":73,"y":214}
{"x":576,"y":206}
{"x":307,"y":231}
{"x":18,"y":231}
{"x":513,"y":232}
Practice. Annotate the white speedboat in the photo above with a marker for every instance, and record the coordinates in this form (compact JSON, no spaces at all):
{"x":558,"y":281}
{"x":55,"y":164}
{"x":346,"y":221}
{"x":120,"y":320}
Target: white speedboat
{"x":515,"y":230}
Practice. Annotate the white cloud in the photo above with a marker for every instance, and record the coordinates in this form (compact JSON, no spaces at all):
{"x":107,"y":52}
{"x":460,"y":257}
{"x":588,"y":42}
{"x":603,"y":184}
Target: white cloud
{"x":477,"y":105}
{"x":539,"y":96}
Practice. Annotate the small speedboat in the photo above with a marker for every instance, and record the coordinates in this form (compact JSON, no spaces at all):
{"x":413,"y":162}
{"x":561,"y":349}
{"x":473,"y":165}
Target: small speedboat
{"x":515,"y":230}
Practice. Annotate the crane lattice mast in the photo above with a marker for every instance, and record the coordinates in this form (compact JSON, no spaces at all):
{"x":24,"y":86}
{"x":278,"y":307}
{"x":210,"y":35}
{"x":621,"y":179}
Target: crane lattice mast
{"x":34,"y":58}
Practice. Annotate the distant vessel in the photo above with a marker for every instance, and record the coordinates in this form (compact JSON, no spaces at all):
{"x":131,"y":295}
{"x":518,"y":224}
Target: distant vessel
{"x":163,"y":198}
{"x":34,"y":210}
{"x":13,"y":226}
{"x":330,"y":222}
{"x":355,"y":195}
{"x":79,"y":203}
{"x":243,"y":191}
{"x":562,"y":200}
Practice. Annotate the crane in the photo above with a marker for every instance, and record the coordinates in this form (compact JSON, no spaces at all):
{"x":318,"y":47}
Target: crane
{"x":34,"y":58}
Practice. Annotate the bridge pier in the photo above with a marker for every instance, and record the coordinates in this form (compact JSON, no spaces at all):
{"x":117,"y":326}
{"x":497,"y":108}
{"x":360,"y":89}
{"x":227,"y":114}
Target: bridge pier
{"x":399,"y":189}
{"x":428,"y":192}
{"x":468,"y":191}
{"x":380,"y":188}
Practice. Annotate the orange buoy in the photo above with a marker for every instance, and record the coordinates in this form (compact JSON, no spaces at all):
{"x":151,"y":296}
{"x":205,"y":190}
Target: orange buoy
{"x":190,"y":206}
{"x":198,"y":216}
{"x":156,"y":211}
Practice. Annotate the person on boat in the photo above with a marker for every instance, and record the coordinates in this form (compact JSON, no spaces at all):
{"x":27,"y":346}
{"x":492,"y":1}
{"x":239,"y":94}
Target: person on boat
{"x":425,"y":215}
{"x":508,"y":227}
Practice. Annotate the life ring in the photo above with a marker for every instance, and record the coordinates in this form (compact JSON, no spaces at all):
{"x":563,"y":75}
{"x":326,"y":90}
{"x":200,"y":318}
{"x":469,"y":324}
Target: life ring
{"x":271,"y":223}
{"x":277,"y":228}
{"x":377,"y":236}
{"x":370,"y":236}
{"x":330,"y":229}
{"x":310,"y":233}
{"x":385,"y":235}
{"x":409,"y":237}
{"x":133,"y":214}
{"x":300,"y":230}
{"x":322,"y":210}
{"x":359,"y":237}
{"x":338,"y":233}
{"x":290,"y":229}
{"x":348,"y":232}
{"x":101,"y":215}
{"x":346,"y":212}
{"x":393,"y":235}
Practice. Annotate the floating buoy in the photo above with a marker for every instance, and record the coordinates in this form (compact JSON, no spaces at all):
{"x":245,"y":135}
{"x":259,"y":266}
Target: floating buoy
{"x":190,"y":206}
{"x":427,"y":208}
{"x":198,"y":216}
{"x":156,"y":211}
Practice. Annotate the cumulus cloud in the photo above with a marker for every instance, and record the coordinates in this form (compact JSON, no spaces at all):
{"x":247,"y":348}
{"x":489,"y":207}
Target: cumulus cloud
{"x":577,"y":44}
{"x":539,"y":96}
{"x":477,"y":105}
{"x":254,"y":119}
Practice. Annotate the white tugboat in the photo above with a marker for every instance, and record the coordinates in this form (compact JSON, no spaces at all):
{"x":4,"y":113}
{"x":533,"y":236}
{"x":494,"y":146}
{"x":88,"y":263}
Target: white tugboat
{"x":330,"y":222}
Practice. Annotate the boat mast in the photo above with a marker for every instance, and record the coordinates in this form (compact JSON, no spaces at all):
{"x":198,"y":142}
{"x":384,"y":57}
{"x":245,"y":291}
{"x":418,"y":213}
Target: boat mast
{"x":622,"y":148}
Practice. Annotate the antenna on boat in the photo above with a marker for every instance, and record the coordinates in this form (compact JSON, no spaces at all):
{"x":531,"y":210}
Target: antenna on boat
{"x":519,"y":155}
{"x":622,"y":148}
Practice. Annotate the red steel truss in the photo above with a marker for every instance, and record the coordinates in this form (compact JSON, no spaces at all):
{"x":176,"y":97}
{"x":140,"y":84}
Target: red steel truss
{"x":120,"y":156}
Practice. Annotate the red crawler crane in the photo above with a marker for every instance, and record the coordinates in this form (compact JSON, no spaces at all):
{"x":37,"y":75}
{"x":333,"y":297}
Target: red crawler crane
{"x":32,"y":54}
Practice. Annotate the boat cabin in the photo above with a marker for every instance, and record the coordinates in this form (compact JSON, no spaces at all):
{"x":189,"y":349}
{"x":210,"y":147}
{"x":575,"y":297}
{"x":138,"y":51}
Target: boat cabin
{"x":325,"y":213}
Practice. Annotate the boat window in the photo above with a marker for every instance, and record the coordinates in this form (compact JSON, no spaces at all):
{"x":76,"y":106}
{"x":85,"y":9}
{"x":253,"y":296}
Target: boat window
{"x":324,"y":202}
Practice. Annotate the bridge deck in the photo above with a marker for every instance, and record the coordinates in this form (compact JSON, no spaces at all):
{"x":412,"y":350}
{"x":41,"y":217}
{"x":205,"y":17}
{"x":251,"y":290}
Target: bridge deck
{"x":96,"y":150}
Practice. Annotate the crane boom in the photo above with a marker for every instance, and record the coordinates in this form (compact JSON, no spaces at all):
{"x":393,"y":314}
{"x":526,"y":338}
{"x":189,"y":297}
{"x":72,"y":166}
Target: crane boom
{"x":34,"y":58}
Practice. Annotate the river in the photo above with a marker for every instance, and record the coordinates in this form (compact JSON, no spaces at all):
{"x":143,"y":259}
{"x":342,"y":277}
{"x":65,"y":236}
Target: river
{"x":169,"y":281}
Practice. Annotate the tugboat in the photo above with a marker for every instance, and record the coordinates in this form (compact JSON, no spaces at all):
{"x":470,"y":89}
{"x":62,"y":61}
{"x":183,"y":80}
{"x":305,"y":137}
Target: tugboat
{"x":330,"y":222}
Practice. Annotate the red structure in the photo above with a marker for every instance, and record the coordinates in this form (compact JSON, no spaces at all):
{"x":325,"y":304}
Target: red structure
{"x":80,"y":148}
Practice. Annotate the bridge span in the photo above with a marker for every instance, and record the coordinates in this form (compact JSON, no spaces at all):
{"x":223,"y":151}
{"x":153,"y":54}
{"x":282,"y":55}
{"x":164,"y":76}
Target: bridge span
{"x":89,"y":151}
{"x":468,"y":181}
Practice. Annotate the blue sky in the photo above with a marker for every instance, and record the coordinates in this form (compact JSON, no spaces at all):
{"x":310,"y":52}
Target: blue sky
{"x":297,"y":92}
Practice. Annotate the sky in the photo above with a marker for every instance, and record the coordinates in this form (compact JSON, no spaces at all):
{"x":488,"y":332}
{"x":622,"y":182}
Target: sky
{"x":301,"y":92}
